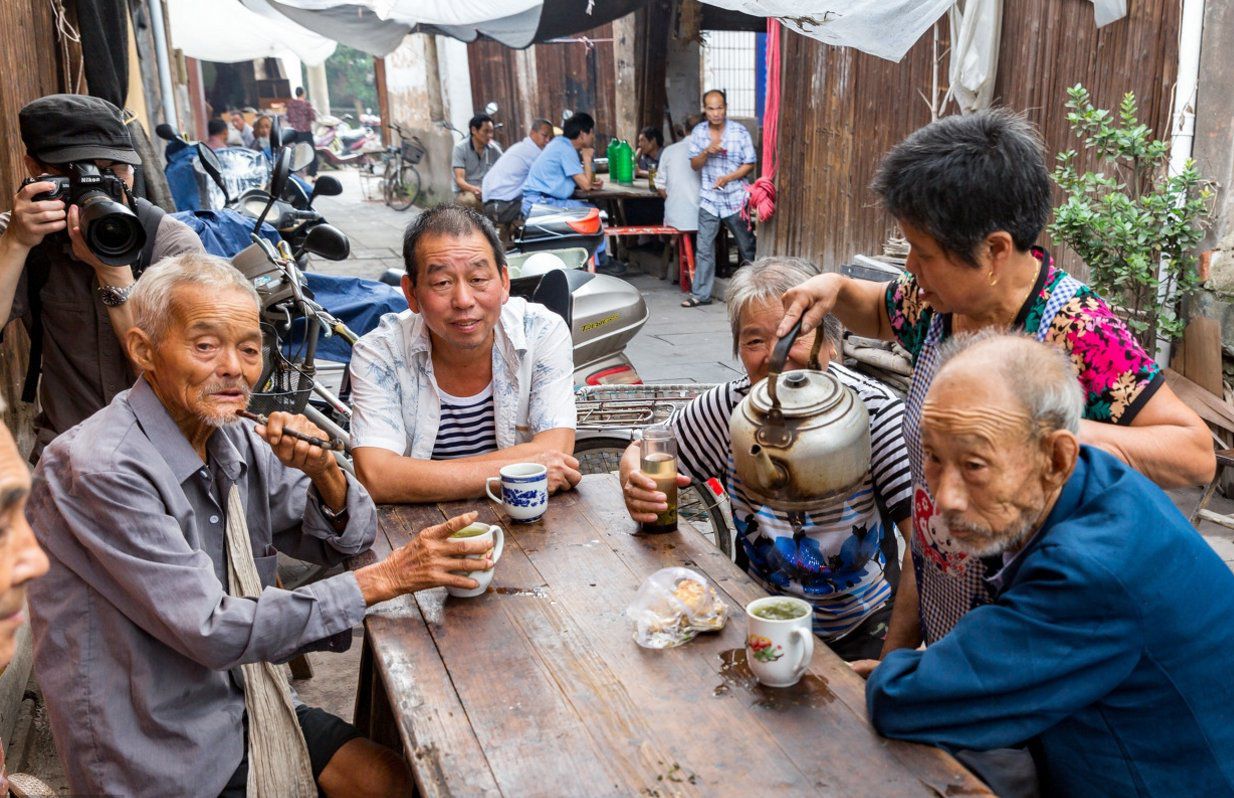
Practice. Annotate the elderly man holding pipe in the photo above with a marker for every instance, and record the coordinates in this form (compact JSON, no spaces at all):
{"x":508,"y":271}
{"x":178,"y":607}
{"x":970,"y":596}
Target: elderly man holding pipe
{"x":157,"y":628}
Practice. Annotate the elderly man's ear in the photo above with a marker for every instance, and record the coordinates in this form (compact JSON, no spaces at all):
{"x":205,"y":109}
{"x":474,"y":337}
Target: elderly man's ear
{"x":1060,"y":449}
{"x":140,"y":349}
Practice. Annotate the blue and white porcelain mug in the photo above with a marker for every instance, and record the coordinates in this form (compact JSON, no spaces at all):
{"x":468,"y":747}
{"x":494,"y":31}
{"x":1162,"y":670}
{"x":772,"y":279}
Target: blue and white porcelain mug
{"x":524,"y":491}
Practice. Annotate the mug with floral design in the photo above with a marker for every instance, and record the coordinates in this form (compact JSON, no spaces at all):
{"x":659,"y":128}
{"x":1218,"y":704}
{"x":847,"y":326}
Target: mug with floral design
{"x":779,"y":639}
{"x":524,"y":491}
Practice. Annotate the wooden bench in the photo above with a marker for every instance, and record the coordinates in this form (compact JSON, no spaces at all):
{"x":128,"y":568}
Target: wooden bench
{"x":683,"y":250}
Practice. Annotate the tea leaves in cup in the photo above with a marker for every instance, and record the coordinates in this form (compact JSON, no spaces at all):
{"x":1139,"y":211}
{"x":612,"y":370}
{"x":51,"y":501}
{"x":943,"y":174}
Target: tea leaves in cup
{"x":779,"y":611}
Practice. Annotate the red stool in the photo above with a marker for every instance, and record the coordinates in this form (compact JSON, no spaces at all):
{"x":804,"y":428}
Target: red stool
{"x":680,"y":242}
{"x":685,"y":261}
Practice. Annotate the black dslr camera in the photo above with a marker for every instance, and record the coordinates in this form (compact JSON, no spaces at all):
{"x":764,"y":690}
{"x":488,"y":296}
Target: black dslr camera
{"x":111,"y":230}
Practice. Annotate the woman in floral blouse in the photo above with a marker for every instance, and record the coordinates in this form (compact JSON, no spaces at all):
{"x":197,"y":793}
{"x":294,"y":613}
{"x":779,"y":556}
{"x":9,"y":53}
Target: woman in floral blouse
{"x":971,"y":194}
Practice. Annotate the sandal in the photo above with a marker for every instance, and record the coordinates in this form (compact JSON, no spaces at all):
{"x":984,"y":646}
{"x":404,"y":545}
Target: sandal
{"x":694,"y":303}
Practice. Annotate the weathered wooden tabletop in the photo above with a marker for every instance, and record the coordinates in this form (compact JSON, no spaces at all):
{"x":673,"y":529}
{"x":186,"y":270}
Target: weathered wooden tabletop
{"x":616,"y":191}
{"x":537,"y":687}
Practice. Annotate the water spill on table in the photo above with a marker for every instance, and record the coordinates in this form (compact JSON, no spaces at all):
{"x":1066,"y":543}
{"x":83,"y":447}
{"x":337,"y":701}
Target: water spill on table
{"x":811,"y":691}
{"x":538,"y":592}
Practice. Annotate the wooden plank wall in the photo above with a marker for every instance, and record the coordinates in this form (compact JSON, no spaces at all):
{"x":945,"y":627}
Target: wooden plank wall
{"x":29,"y":62}
{"x":569,"y":74}
{"x":842,"y":109}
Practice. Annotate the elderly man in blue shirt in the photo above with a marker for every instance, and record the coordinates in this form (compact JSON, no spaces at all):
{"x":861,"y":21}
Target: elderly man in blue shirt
{"x":1109,"y":646}
{"x":158,"y":628}
{"x":503,"y":185}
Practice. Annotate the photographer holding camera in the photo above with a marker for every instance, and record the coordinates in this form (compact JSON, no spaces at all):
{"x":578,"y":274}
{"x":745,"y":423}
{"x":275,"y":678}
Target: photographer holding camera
{"x":72,"y":249}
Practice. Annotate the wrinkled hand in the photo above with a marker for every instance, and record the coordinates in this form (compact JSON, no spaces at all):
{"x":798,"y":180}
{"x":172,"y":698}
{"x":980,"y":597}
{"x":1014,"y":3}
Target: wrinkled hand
{"x":643,"y":501}
{"x":814,"y":298}
{"x":31,"y":220}
{"x":312,"y":460}
{"x":864,"y":667}
{"x":427,"y":561}
{"x":563,"y":472}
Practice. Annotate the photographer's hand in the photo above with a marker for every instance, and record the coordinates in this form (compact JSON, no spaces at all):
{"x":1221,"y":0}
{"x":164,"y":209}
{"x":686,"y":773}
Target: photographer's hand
{"x":31,"y":220}
{"x":119,"y":276}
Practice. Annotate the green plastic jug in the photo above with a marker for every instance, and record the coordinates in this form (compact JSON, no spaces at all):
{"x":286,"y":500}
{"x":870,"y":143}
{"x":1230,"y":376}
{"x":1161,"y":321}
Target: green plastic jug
{"x":625,"y":163}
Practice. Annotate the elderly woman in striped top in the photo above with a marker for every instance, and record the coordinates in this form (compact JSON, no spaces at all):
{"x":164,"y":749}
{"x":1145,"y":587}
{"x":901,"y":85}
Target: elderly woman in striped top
{"x":972,"y":194}
{"x":836,"y":561}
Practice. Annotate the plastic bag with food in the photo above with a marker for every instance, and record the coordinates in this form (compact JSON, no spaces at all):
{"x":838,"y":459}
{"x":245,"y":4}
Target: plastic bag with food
{"x":672,"y":606}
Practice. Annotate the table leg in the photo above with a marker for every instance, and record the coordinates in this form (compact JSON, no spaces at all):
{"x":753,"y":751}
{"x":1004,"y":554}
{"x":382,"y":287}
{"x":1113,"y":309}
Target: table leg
{"x":373,"y":715}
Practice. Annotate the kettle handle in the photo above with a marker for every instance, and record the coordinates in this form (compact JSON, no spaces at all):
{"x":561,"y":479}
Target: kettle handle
{"x":779,"y":357}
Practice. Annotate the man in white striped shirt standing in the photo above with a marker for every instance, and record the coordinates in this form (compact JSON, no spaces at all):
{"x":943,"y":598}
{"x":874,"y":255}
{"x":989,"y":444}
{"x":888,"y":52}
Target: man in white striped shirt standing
{"x":468,"y":380}
{"x":835,"y":559}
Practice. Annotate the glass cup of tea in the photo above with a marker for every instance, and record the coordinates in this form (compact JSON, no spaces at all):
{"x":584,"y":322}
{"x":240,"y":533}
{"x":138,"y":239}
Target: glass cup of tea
{"x":658,"y":460}
{"x":779,"y":639}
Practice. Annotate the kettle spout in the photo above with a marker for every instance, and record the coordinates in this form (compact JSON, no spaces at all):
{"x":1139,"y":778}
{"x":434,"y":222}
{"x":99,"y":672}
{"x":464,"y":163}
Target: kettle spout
{"x":771,"y":474}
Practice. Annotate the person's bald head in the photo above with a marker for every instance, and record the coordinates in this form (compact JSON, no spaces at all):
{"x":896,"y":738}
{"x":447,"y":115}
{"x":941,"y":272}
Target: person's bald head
{"x":998,"y":428}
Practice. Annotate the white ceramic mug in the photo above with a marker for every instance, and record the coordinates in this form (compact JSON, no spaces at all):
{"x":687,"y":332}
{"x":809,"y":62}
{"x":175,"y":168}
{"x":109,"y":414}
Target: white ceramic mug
{"x":779,"y":651}
{"x":524,"y":491}
{"x":497,"y":537}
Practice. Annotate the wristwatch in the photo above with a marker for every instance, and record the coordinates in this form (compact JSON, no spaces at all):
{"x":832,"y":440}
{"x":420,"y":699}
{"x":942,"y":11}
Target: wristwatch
{"x":333,"y":516}
{"x":114,"y":297}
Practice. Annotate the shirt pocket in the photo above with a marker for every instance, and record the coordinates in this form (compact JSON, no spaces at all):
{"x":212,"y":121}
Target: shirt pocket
{"x":267,"y":566}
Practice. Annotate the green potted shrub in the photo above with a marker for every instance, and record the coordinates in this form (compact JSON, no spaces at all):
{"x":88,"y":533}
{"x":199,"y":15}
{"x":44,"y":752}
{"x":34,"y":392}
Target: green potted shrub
{"x":1136,"y":226}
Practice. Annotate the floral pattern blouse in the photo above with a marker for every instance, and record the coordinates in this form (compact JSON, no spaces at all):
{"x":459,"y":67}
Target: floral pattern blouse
{"x":1117,"y":375}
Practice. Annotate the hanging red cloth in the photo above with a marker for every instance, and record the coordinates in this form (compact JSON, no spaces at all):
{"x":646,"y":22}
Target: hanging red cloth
{"x":762,"y":194}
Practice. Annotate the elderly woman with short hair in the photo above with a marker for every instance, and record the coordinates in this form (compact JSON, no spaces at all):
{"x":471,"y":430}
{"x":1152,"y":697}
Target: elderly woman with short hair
{"x":835,"y":559}
{"x":972,"y":194}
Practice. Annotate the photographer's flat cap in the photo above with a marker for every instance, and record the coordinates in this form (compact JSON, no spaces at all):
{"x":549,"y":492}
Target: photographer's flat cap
{"x":62,"y":128}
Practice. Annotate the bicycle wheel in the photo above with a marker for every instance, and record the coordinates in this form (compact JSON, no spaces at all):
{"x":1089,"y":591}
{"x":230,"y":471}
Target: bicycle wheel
{"x":397,"y":191}
{"x":602,"y":455}
{"x":410,"y":181}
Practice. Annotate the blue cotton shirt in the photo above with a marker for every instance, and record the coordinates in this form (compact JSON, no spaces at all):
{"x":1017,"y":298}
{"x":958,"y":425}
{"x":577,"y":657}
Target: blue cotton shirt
{"x":552,"y":173}
{"x":505,"y":180}
{"x":1110,"y":645}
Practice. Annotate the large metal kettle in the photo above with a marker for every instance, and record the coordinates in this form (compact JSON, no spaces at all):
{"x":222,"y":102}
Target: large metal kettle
{"x":801,"y":437}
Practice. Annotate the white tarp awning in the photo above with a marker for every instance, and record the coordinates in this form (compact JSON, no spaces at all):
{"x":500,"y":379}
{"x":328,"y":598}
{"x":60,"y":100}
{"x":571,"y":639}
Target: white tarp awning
{"x":429,"y":12}
{"x":227,"y":31}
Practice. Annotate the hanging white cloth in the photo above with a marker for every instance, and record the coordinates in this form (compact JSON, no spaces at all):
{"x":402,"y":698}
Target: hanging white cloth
{"x":226,"y":31}
{"x":973,"y":64}
{"x":1108,"y":11}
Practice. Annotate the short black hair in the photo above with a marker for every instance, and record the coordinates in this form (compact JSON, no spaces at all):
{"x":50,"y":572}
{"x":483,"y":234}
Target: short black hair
{"x":961,"y":178}
{"x":215,"y":127}
{"x":577,"y":125}
{"x":478,"y":121}
{"x":449,"y":219}
{"x":299,"y":91}
{"x":653,"y":133}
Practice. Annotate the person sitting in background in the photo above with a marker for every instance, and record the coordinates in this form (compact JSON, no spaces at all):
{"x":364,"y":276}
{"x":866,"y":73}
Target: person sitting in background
{"x":564,"y":166}
{"x":262,"y":126}
{"x":240,"y":134}
{"x":468,"y":380}
{"x":157,"y":632}
{"x":836,"y":561}
{"x":678,"y":182}
{"x":650,"y":145}
{"x":1107,"y":646}
{"x":216,"y":134}
{"x":502,"y":187}
{"x":473,"y":157}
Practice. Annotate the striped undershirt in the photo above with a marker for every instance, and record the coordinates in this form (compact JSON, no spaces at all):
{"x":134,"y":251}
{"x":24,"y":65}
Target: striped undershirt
{"x":468,"y":425}
{"x":835,"y":561}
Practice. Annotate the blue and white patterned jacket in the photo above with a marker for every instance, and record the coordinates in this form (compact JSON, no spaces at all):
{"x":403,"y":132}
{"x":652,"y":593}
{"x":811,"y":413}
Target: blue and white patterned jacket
{"x":396,"y":404}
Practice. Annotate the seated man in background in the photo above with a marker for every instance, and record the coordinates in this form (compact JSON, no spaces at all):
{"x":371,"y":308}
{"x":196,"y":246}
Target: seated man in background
{"x":157,"y":629}
{"x":468,"y":380}
{"x":836,"y":563}
{"x":1107,"y":648}
{"x":566,"y":164}
{"x":216,"y":134}
{"x":647,"y":153}
{"x":471,"y":160}
{"x":503,"y":185}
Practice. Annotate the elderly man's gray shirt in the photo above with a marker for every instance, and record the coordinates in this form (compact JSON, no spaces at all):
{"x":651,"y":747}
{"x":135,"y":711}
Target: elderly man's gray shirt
{"x":134,"y":631}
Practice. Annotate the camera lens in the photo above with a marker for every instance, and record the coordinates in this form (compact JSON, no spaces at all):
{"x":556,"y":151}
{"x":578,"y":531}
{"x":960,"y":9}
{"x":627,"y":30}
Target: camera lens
{"x":112,"y":232}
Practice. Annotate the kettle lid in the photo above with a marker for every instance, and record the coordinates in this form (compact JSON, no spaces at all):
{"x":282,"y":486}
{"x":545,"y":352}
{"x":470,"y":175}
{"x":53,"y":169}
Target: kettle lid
{"x":802,"y":393}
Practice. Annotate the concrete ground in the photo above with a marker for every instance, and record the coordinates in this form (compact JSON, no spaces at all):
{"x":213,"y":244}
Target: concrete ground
{"x":676,"y":345}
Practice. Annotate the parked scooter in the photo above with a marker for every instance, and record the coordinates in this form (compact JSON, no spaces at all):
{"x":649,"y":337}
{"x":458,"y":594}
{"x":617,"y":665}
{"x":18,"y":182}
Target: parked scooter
{"x":340,"y":145}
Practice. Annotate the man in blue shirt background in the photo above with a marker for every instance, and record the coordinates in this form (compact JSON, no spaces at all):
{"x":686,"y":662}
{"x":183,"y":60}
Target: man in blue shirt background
{"x":1108,"y":649}
{"x":503,"y":185}
{"x":563,"y":166}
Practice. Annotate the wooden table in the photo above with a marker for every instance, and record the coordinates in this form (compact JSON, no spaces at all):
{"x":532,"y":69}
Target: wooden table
{"x":537,"y":687}
{"x":613,"y":197}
